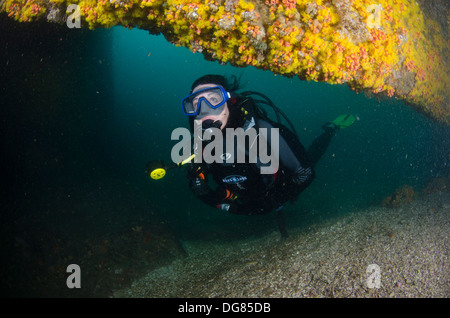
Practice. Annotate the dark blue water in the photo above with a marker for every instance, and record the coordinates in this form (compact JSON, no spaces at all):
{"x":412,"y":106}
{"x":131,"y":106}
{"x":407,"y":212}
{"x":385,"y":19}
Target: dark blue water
{"x":82,"y":113}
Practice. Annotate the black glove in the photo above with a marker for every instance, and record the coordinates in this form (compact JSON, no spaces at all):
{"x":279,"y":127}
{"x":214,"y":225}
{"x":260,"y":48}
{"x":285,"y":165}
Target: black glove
{"x":195,"y":170}
{"x":197,"y":181}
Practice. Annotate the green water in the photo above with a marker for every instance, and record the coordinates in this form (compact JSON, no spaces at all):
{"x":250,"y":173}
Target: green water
{"x":389,"y":146}
{"x":83,"y":111}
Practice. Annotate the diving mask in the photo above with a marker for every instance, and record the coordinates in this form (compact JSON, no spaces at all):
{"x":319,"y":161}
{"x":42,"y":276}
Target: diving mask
{"x":207,"y":101}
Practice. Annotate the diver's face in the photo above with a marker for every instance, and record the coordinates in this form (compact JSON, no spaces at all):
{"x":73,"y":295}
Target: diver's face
{"x":223,"y":116}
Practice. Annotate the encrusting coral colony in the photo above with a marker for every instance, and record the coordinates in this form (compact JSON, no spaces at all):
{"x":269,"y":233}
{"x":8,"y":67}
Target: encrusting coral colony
{"x":379,"y":46}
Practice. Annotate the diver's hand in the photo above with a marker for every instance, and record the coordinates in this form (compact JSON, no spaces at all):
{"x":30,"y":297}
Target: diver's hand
{"x":198,"y":181}
{"x":195,"y":171}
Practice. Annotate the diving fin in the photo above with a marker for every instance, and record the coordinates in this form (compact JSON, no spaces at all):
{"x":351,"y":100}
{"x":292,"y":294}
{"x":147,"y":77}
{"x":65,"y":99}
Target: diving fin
{"x":344,"y":121}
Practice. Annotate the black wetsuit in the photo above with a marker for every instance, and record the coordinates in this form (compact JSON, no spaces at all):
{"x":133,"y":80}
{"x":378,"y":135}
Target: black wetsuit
{"x":242,"y":189}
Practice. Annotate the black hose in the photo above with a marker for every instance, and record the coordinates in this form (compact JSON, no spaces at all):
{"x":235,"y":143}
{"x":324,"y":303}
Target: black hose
{"x":274,"y":107}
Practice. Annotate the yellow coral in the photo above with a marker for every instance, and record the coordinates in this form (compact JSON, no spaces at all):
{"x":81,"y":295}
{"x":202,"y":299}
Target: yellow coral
{"x":370,"y":46}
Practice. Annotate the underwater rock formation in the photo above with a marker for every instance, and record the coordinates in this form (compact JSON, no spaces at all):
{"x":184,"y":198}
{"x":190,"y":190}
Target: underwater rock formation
{"x":384,"y":47}
{"x":401,"y":196}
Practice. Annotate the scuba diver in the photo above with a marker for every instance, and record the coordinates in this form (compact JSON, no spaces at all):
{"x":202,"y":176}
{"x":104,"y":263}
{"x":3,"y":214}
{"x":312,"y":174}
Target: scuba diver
{"x":241,"y":188}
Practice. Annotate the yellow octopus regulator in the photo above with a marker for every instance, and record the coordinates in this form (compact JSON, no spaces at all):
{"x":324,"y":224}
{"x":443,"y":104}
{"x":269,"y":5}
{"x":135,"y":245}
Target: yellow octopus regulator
{"x":378,"y":46}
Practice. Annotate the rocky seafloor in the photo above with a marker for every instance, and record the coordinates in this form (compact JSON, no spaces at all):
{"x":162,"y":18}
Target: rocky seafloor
{"x":378,"y":252}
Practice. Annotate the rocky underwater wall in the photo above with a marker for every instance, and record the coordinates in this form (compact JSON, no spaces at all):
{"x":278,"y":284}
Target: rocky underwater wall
{"x":383,"y":47}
